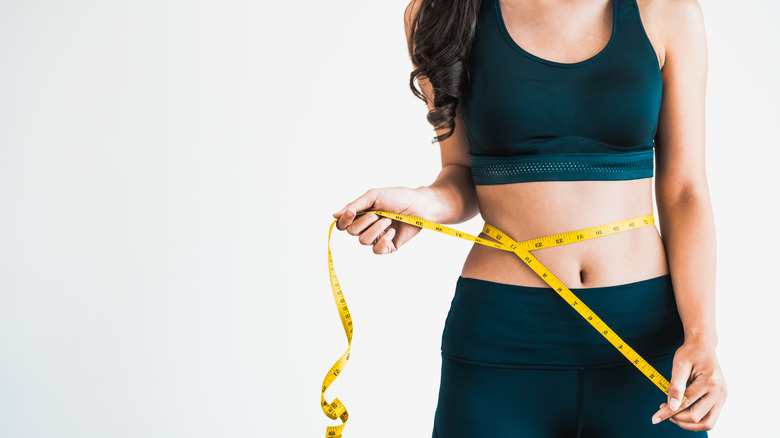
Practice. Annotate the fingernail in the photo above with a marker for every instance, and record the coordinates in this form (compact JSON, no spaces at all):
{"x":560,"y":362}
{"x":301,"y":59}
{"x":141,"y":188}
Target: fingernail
{"x":674,"y":404}
{"x":656,"y":420}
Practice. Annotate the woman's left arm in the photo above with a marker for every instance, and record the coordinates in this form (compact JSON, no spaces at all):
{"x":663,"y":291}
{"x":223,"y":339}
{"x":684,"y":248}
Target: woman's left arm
{"x":685,"y":216}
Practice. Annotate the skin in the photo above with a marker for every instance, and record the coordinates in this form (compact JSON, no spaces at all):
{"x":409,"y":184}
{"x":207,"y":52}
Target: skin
{"x":571,"y":31}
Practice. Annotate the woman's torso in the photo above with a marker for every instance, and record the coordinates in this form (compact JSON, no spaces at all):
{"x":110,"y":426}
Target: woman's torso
{"x":539,"y":209}
{"x":496,"y":118}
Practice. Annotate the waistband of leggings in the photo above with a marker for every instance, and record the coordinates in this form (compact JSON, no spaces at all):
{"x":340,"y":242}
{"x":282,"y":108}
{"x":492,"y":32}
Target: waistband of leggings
{"x":506,"y":324}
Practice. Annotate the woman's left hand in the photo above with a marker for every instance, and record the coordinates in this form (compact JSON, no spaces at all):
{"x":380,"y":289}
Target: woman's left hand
{"x":694,"y":363}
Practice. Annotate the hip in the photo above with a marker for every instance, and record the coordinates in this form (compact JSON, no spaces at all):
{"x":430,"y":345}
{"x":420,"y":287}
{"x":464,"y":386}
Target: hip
{"x":505,"y":325}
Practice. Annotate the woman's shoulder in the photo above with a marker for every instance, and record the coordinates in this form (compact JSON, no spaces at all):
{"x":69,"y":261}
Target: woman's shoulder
{"x":671,"y":24}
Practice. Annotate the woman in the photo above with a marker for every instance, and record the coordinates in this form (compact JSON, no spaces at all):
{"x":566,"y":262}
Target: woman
{"x":548,"y":115}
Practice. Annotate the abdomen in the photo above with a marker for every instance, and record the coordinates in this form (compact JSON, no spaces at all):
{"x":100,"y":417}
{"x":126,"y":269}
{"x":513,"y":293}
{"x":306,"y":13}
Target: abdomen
{"x":535,"y":209}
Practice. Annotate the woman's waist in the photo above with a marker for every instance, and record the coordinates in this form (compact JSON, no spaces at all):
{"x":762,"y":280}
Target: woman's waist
{"x":622,"y":257}
{"x":534,"y":209}
{"x":528,"y":211}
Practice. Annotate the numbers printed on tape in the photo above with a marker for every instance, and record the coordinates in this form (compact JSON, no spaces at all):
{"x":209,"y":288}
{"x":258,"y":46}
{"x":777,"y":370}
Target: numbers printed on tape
{"x":336,"y":410}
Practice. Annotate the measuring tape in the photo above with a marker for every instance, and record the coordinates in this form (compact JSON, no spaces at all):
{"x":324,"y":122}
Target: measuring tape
{"x":336,"y":409}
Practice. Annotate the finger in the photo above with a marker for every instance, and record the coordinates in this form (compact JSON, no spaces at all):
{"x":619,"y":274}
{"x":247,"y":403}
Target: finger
{"x":360,"y":223}
{"x":709,"y":420}
{"x":695,"y":413}
{"x":681,"y":373}
{"x":385,"y":243}
{"x":693,"y":393}
{"x":349,"y":216}
{"x":345,"y":219}
{"x":373,"y":232}
{"x":706,"y":423}
{"x":363,"y":202}
{"x":663,"y":413}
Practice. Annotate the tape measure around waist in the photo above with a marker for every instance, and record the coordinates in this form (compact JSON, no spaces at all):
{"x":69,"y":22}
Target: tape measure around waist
{"x":337,"y":410}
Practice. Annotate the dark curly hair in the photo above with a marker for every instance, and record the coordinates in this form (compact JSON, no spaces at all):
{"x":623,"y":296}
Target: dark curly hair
{"x":441,"y":32}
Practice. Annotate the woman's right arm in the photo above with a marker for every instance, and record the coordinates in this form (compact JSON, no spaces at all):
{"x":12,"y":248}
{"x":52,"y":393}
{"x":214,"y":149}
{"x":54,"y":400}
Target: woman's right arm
{"x":454,"y":196}
{"x":450,"y":199}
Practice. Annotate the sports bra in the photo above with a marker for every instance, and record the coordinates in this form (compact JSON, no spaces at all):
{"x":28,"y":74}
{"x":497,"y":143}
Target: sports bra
{"x":531,"y":119}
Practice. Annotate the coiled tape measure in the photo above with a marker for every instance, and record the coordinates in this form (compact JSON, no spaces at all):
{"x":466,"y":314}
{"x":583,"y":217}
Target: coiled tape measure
{"x":336,"y":409}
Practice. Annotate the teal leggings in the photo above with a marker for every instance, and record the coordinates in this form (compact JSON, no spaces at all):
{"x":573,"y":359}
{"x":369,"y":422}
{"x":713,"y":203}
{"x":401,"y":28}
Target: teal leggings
{"x":519,"y":362}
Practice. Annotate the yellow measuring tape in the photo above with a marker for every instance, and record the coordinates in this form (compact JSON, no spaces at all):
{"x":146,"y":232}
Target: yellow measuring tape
{"x":336,"y":409}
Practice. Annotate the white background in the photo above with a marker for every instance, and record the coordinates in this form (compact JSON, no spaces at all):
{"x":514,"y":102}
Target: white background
{"x":168,"y":170}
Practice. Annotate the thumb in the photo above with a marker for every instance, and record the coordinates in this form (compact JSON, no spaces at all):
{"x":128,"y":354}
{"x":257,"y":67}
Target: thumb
{"x":363,"y":202}
{"x":681,"y":372}
{"x":405,"y":233}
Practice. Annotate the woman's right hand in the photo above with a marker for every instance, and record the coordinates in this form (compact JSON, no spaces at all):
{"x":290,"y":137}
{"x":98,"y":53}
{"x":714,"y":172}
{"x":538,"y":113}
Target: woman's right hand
{"x":384,"y":234}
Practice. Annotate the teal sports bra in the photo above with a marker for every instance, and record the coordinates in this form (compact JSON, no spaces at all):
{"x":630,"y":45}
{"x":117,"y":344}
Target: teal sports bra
{"x":531,"y":119}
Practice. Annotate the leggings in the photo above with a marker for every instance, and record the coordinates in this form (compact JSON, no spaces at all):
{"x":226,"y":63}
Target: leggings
{"x":519,"y":362}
